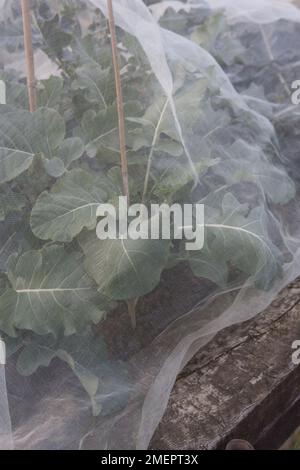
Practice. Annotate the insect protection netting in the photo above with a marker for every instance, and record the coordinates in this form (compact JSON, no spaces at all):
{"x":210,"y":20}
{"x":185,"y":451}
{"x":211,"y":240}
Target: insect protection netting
{"x":209,"y":120}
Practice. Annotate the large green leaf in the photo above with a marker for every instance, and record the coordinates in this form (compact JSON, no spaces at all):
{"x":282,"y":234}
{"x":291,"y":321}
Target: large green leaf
{"x":176,"y":176}
{"x":10,"y":201}
{"x":101,"y":130}
{"x":160,"y":132}
{"x":68,"y":152}
{"x":24,"y":135}
{"x":15,"y":237}
{"x":158,"y":122}
{"x":245,"y":162}
{"x":209,"y":264}
{"x":96,"y":84}
{"x":215,"y":36}
{"x":50,"y":92}
{"x":238,"y":238}
{"x":50,"y":293}
{"x":71,"y":205}
{"x":84,"y":354}
{"x":124,"y":269}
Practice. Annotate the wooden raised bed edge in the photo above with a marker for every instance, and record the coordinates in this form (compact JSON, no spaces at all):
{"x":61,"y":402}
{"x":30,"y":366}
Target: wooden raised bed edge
{"x":243,"y":384}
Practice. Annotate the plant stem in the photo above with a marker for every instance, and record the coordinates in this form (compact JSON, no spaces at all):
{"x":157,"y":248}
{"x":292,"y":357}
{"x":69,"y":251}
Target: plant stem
{"x":31,"y":83}
{"x":119,"y":94}
{"x":131,"y":304}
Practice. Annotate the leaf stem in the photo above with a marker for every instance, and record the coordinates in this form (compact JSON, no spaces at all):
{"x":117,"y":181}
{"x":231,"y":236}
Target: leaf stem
{"x":272,"y":59}
{"x":119,"y":95}
{"x":154,"y":141}
{"x":31,"y":82}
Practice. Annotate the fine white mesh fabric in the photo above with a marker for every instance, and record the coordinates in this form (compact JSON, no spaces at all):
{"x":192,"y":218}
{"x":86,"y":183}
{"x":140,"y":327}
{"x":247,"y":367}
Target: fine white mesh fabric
{"x":230,"y":107}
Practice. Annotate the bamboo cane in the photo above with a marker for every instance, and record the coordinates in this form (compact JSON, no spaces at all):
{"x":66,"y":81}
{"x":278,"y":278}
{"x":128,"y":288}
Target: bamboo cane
{"x":31,"y":83}
{"x":119,"y":95}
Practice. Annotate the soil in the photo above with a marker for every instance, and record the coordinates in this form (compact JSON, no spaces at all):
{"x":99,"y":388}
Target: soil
{"x":178,"y":292}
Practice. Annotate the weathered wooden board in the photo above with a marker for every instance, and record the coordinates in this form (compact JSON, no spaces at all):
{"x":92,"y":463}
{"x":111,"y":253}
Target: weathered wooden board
{"x":242,"y":385}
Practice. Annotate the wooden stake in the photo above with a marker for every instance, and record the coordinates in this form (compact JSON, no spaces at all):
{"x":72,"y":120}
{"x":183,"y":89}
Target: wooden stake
{"x":119,"y":95}
{"x":31,"y":83}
